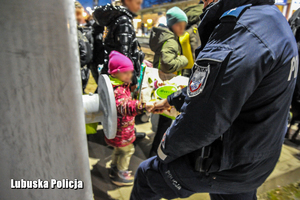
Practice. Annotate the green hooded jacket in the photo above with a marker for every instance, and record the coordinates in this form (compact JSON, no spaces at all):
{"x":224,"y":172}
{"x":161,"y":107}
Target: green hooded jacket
{"x":167,"y":49}
{"x":193,"y":13}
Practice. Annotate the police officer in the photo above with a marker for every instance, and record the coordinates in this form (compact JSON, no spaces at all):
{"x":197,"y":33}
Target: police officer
{"x":228,"y":137}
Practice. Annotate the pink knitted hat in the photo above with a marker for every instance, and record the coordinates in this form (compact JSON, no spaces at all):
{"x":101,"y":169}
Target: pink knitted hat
{"x":119,"y":63}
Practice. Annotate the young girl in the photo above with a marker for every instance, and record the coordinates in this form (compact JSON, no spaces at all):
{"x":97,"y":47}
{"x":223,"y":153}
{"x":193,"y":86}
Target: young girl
{"x":120,"y":35}
{"x":121,"y":72}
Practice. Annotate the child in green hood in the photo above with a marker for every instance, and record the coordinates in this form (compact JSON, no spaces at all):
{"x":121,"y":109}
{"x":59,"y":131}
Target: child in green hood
{"x":164,"y":42}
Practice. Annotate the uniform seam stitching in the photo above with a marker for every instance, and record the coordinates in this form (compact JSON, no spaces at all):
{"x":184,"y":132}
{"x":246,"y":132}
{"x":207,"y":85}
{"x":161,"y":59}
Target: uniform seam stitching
{"x":267,"y":47}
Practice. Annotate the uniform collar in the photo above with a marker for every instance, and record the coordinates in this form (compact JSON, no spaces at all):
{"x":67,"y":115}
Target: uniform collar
{"x":212,"y":13}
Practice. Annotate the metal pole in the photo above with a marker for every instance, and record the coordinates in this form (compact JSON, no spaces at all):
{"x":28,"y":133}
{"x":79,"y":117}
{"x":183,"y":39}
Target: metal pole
{"x":42,"y":128}
{"x":101,"y":107}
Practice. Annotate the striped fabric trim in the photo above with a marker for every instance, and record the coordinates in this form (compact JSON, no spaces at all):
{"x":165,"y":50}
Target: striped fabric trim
{"x":160,"y":153}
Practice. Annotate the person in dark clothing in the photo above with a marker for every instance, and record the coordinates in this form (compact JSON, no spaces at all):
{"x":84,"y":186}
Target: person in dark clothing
{"x":143,"y":28}
{"x":193,"y":13}
{"x":87,"y":33}
{"x":229,"y":135}
{"x":86,"y":30}
{"x":85,"y":48}
{"x":168,"y":59}
{"x":295,"y":106}
{"x":98,"y":50}
{"x":295,"y":110}
{"x":85,"y":51}
{"x":163,"y":124}
{"x":121,"y":35}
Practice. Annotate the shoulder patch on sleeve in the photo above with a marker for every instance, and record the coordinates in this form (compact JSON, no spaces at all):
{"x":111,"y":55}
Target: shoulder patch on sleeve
{"x":198,"y":80}
{"x":236,"y":12}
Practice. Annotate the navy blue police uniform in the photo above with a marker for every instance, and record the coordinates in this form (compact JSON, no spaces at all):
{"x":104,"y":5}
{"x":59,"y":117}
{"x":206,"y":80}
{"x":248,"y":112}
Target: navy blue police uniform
{"x":236,"y":103}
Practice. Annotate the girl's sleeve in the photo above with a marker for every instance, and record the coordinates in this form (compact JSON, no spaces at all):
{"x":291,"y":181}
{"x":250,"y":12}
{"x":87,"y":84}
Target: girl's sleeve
{"x":126,"y":107}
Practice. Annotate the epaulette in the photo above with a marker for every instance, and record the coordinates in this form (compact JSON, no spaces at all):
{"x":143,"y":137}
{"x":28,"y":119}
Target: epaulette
{"x":235,"y":13}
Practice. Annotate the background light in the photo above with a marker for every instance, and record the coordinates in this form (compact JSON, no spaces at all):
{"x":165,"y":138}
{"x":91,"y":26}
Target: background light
{"x":137,"y":20}
{"x":89,"y":9}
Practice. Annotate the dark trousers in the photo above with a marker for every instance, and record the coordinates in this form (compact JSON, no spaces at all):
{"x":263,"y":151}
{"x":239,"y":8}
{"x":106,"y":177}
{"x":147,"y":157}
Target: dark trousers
{"x":242,"y":196}
{"x":296,"y":118}
{"x":163,"y":124}
{"x":154,"y":181}
{"x":94,"y":69}
{"x":85,"y":74}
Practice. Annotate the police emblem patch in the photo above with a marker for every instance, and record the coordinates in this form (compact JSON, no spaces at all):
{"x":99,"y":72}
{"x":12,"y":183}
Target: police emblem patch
{"x":198,"y":80}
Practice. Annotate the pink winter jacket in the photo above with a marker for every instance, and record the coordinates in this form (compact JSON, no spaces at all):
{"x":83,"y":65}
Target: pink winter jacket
{"x":127,"y":109}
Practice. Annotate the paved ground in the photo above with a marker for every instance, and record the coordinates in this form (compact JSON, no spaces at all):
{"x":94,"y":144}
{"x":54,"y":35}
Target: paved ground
{"x":100,"y":157}
{"x":287,"y":170}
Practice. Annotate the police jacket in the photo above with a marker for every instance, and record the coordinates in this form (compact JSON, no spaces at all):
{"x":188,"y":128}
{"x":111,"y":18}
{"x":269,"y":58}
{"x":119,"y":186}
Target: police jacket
{"x":240,"y":90}
{"x":120,"y":31}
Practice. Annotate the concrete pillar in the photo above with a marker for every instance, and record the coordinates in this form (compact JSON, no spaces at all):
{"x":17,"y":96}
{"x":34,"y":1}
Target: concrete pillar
{"x":42,"y":129}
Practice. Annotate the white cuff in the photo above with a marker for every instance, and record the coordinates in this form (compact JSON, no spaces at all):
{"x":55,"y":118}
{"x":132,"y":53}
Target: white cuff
{"x":160,"y":153}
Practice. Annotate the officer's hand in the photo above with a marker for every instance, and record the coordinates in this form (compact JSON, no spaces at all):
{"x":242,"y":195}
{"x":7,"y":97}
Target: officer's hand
{"x":149,"y":106}
{"x":160,"y":106}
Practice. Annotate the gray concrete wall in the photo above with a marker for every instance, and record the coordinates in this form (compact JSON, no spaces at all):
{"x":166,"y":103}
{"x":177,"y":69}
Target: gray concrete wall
{"x":42,"y":131}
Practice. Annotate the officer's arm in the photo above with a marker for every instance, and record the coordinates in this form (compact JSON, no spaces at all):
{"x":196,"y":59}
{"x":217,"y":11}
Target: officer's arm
{"x":177,"y":99}
{"x":207,"y":115}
